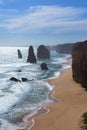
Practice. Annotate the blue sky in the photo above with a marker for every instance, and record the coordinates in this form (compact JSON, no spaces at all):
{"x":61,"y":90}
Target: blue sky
{"x":49,"y":22}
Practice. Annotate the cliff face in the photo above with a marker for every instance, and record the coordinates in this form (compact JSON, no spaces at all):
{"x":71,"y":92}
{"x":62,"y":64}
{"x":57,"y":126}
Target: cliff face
{"x":64,"y":48}
{"x":79,"y":63}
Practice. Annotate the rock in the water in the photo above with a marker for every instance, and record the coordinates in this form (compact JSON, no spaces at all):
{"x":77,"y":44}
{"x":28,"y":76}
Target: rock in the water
{"x":19,"y":70}
{"x":44,"y":66}
{"x":24,"y":79}
{"x":15,"y":79}
{"x":19,"y":54}
{"x":31,"y":56}
{"x":79,"y":63}
{"x":43,"y":52}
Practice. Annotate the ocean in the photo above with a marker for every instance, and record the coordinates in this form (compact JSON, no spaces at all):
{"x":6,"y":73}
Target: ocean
{"x":21,"y":98}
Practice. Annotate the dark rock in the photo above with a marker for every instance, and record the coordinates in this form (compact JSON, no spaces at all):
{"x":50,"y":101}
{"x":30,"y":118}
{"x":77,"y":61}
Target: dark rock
{"x":79,"y":63}
{"x":24,"y":79}
{"x":43,"y":52}
{"x":15,"y":79}
{"x":19,"y":70}
{"x":31,"y":56}
{"x":19,"y":54}
{"x":44,"y":66}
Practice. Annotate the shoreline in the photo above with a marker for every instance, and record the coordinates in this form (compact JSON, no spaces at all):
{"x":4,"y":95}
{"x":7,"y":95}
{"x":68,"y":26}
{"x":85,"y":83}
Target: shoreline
{"x":44,"y":108}
{"x":67,"y":113}
{"x":29,"y":119}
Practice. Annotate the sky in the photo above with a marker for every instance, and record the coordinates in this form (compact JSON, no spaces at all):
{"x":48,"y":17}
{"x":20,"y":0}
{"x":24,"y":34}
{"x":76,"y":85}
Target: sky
{"x":48,"y":22}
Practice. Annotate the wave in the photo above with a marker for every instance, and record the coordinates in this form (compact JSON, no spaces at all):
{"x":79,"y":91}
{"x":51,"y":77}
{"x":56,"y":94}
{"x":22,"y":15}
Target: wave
{"x":17,"y":99}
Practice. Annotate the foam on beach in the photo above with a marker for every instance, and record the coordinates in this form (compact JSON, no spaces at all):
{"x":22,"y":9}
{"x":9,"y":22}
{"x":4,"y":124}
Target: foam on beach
{"x":20,"y":98}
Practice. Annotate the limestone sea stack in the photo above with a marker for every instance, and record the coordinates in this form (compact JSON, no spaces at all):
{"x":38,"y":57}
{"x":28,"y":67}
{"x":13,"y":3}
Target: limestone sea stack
{"x":19,"y":54}
{"x":31,"y":56}
{"x":43,"y":52}
{"x":79,"y":63}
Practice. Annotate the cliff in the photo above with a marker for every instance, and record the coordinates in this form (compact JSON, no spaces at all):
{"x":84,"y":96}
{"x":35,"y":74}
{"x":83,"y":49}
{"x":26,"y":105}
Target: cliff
{"x":64,"y":48}
{"x":79,"y":63}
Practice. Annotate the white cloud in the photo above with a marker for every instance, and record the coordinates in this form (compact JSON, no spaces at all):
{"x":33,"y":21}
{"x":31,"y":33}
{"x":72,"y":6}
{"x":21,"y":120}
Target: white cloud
{"x":41,"y":18}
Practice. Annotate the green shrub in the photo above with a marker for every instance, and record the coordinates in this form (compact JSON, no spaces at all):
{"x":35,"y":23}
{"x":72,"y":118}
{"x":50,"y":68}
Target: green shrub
{"x":84,"y":121}
{"x":85,"y":118}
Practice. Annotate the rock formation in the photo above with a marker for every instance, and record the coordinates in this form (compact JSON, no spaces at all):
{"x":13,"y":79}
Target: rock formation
{"x":24,"y":79}
{"x":43,"y":52}
{"x":15,"y":79}
{"x":44,"y":66}
{"x":19,"y":70}
{"x":19,"y":54}
{"x":31,"y":56}
{"x":64,"y":48}
{"x":79,"y":63}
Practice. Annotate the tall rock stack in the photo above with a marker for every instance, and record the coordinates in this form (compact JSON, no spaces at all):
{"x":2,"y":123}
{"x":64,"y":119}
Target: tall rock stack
{"x":79,"y":63}
{"x":19,"y":54}
{"x":43,"y":52}
{"x":31,"y":56}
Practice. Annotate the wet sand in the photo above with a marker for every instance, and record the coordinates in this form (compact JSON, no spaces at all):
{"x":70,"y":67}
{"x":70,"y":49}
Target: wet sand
{"x":65,"y":114}
{"x":28,"y":120}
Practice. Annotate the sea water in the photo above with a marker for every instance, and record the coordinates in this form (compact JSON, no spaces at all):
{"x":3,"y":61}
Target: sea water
{"x":20,"y":98}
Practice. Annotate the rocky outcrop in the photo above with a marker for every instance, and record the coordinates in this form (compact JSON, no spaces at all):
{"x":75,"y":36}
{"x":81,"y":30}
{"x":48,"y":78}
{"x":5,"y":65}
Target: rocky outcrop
{"x":19,"y":70}
{"x":24,"y":79}
{"x":15,"y":79}
{"x":64,"y":48}
{"x":44,"y":66}
{"x":31,"y":56}
{"x":19,"y":54}
{"x":79,"y":63}
{"x":43,"y":52}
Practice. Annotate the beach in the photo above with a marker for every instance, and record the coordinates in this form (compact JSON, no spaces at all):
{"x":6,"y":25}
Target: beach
{"x":21,"y":102}
{"x":66,"y":113}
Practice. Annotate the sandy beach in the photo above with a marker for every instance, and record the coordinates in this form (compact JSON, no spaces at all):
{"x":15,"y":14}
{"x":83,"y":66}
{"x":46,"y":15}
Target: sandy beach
{"x":65,"y":114}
